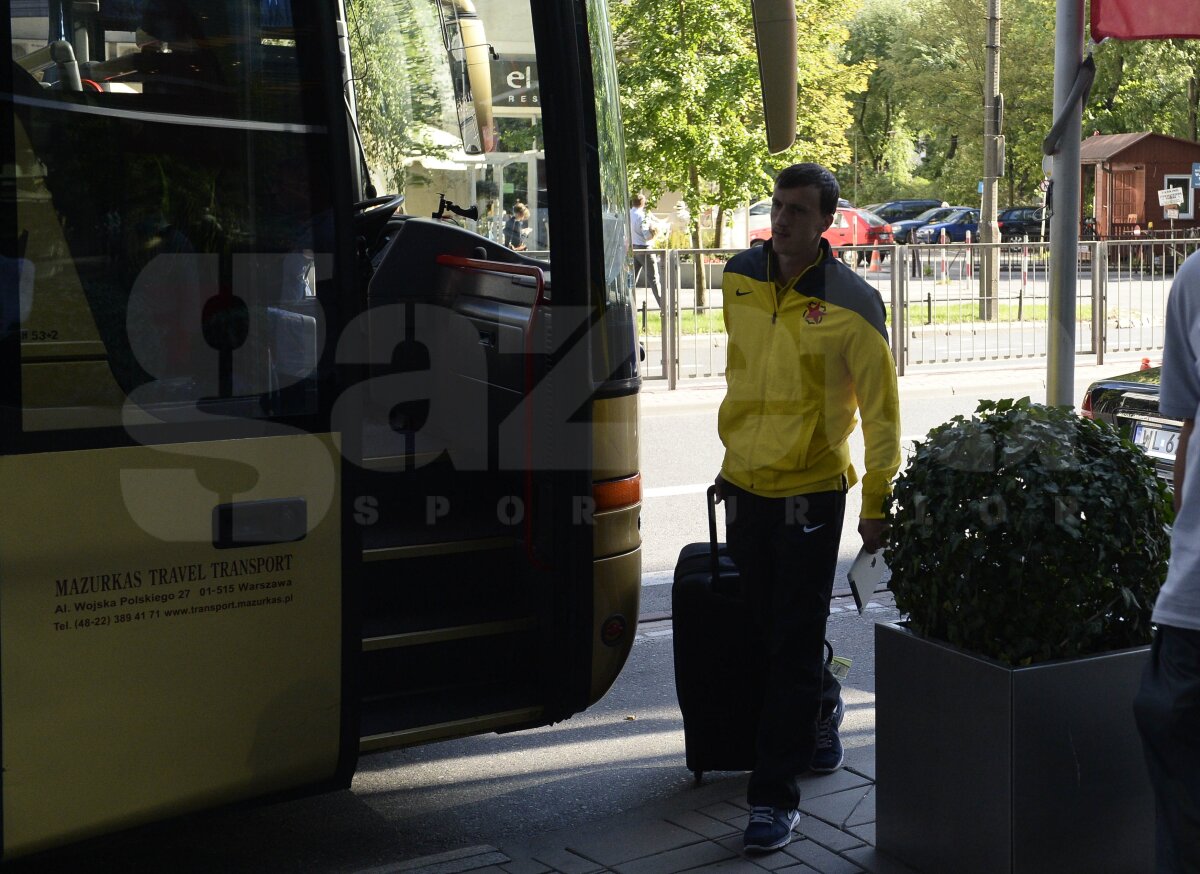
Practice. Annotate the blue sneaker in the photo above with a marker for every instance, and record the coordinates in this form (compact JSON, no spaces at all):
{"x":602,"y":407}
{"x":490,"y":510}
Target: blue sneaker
{"x":770,"y":828}
{"x":829,"y":755}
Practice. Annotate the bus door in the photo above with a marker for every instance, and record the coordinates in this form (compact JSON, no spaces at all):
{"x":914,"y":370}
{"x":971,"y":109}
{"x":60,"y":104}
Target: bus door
{"x":171,"y":601}
{"x":478,"y":576}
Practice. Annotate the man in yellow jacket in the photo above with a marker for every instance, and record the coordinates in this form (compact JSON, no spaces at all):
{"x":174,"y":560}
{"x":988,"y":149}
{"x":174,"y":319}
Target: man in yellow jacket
{"x":808,"y":350}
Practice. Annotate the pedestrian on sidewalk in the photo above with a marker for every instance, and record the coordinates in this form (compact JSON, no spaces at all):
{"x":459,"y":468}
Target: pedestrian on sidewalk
{"x":1167,"y":705}
{"x":808,"y":349}
{"x":644,"y":231}
{"x":516,"y":227}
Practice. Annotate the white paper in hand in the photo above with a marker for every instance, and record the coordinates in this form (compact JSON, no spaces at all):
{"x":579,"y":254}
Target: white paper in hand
{"x":865,"y":574}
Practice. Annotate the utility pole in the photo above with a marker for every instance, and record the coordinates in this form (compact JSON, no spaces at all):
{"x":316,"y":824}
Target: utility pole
{"x":856,"y":166}
{"x":1064,"y":224}
{"x":993,"y":164}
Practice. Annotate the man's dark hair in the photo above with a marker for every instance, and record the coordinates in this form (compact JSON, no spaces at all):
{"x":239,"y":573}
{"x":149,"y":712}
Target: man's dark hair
{"x":812,"y":176}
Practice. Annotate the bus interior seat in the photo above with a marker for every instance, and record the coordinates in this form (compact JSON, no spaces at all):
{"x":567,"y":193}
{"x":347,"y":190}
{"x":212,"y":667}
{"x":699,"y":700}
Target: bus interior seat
{"x":24,"y":83}
{"x":293,"y":343}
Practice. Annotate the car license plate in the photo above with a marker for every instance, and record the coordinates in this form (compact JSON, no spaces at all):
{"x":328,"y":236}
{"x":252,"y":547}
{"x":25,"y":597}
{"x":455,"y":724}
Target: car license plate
{"x":1155,"y":440}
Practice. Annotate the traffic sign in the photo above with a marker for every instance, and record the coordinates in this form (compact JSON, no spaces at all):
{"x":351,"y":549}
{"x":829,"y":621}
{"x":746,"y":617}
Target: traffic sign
{"x":1195,"y":175}
{"x":1170,"y":197}
{"x":1171,"y":212}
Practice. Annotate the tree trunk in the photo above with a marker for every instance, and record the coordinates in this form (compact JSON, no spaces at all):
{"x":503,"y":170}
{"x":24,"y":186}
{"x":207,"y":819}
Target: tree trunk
{"x":1111,"y":100}
{"x":1193,"y":97}
{"x":698,"y":260}
{"x":886,"y":131}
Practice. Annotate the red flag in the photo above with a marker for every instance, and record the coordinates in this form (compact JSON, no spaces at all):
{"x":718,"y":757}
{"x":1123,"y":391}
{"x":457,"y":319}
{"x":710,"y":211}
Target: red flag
{"x":1145,"y":19}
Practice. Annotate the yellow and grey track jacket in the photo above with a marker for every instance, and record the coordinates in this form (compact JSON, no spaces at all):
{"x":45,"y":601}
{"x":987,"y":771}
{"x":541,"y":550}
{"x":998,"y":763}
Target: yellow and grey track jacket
{"x":802,"y":358}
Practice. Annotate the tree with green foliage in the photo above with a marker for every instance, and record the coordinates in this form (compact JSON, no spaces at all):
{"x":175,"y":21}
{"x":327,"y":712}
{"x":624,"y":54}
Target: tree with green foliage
{"x":1146,"y":85}
{"x":891,"y":97}
{"x":884,"y":146}
{"x":926,"y":96}
{"x":692,"y":104}
{"x":938,"y":57}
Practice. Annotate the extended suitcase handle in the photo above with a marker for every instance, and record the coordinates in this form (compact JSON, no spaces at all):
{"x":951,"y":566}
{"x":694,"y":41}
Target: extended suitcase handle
{"x":714,"y":561}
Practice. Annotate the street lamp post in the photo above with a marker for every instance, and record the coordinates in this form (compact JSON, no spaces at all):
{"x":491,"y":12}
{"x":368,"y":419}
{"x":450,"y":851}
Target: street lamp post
{"x":856,"y":168}
{"x":993,"y":160}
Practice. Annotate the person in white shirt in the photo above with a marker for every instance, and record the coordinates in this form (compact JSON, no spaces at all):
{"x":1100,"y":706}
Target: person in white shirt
{"x":644,"y":232}
{"x":1167,"y":705}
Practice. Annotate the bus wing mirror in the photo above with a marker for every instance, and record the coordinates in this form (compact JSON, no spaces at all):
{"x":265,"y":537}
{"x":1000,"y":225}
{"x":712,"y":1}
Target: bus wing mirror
{"x":470,"y":62}
{"x":775,"y":36}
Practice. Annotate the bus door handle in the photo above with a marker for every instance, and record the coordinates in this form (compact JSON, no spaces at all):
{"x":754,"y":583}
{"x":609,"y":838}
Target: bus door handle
{"x":488,"y":339}
{"x":259,"y":523}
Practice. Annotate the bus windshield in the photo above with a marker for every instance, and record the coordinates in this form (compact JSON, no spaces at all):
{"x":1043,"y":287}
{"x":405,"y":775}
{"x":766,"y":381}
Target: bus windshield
{"x":449,"y":108}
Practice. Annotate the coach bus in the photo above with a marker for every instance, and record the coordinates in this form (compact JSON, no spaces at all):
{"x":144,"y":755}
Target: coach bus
{"x":310,"y":445}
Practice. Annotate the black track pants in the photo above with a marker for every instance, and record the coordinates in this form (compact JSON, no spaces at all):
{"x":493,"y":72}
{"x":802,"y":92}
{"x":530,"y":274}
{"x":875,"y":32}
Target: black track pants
{"x":1167,"y":707}
{"x":786,"y":550}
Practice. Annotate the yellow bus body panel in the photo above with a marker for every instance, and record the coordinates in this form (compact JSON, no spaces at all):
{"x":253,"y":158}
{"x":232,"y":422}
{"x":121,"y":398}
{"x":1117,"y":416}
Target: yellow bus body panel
{"x":616,"y":540}
{"x":617,"y":592}
{"x":143,"y":677}
{"x":615,"y":437}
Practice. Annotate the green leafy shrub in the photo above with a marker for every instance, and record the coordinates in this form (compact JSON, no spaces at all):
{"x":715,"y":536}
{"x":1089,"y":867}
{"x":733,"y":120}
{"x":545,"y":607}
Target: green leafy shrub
{"x":1028,"y":533}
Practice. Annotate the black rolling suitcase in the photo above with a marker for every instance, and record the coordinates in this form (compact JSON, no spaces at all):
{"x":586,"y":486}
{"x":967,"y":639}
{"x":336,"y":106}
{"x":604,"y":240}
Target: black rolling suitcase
{"x":720,"y":695}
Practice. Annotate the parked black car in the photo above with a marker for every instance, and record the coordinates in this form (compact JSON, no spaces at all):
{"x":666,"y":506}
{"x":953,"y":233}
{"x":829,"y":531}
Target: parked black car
{"x":899,"y":210}
{"x":1021,"y":223}
{"x":1130,"y":402}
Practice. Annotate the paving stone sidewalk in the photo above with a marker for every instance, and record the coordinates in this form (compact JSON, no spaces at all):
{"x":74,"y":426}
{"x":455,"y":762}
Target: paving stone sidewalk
{"x":699,"y":830}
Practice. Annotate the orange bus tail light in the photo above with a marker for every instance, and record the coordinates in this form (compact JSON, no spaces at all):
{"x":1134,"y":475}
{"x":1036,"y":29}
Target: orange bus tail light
{"x":617,"y":493}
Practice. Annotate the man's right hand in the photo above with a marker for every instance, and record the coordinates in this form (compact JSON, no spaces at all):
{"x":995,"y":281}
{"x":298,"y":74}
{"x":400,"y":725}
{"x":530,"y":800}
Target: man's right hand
{"x":719,"y":482}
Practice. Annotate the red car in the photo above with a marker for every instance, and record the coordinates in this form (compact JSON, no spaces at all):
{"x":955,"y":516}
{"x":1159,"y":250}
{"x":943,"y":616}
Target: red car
{"x":851,"y":227}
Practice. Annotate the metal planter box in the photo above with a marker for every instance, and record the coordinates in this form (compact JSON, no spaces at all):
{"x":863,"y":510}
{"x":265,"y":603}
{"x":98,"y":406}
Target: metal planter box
{"x":984,"y":768}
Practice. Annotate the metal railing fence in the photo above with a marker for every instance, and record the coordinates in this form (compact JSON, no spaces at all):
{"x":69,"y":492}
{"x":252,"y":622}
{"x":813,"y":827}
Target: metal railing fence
{"x":936,"y":308}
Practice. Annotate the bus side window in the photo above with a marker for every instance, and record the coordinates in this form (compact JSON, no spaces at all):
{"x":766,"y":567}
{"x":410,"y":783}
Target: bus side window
{"x":171,"y":246}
